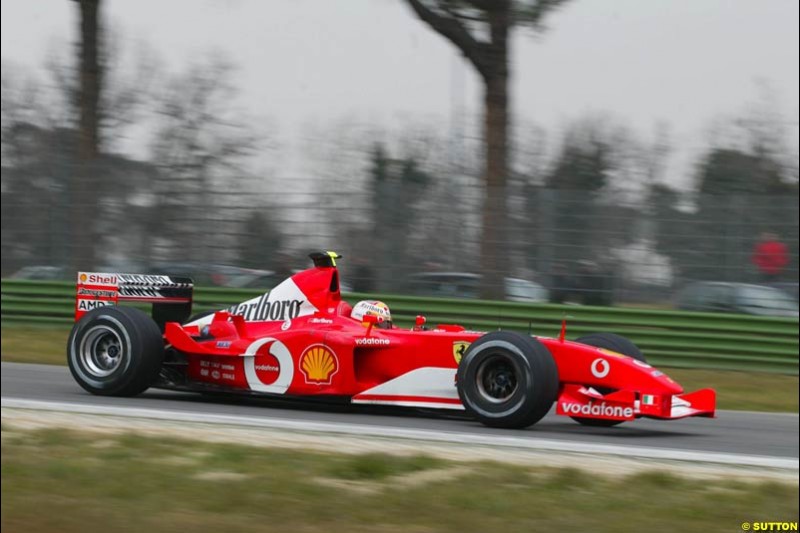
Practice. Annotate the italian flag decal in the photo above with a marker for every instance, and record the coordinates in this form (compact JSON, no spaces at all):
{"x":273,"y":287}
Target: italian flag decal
{"x":648,"y":399}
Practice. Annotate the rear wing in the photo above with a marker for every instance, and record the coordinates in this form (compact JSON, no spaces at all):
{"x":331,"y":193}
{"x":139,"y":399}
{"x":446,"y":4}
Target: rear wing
{"x":171,"y":296}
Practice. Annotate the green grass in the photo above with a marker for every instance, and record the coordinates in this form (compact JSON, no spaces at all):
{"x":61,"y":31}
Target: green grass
{"x":56,"y":480}
{"x":375,"y":466}
{"x":747,"y":391}
{"x":735,"y":390}
{"x":34,"y":344}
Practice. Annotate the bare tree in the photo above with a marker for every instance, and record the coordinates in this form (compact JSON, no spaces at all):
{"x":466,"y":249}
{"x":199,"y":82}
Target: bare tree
{"x":201,"y":145}
{"x":82,"y":186}
{"x":131,"y":78}
{"x":90,"y":80}
{"x":481,"y":30}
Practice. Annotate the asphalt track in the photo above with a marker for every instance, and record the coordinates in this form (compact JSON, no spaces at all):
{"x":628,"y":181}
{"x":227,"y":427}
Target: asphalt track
{"x":732,"y":432}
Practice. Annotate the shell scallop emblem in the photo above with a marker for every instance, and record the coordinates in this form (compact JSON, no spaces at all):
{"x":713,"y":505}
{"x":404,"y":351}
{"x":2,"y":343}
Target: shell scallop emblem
{"x":318,"y":364}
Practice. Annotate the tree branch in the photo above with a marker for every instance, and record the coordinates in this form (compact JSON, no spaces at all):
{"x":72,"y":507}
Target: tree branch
{"x":463,"y":16}
{"x":483,"y":5}
{"x":455,"y":32}
{"x":533,"y":15}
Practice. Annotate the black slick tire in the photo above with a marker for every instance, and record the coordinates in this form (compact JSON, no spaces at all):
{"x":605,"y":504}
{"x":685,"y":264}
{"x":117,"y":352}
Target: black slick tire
{"x":115,"y":351}
{"x":507,"y":380}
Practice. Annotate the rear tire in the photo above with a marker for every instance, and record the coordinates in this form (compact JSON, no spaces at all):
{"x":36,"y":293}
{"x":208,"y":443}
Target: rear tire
{"x":115,"y":351}
{"x":507,"y":380}
{"x":616,"y":343}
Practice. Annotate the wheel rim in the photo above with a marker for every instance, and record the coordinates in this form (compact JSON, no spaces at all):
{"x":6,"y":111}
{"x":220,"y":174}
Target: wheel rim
{"x":101,"y":351}
{"x":497,"y":378}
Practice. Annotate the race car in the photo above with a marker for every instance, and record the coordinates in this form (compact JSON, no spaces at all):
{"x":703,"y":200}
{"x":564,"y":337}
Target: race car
{"x":302,"y":340}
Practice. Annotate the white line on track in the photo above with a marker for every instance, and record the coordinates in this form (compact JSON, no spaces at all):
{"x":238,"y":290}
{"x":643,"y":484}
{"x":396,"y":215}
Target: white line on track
{"x":495,"y":440}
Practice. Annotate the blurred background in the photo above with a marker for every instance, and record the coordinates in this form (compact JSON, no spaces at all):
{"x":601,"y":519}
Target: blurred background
{"x":582,"y":152}
{"x":602,"y":162}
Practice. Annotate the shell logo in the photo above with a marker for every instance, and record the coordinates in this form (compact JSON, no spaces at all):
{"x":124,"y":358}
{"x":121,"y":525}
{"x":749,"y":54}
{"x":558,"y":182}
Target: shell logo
{"x":318,"y":364}
{"x":83,"y":277}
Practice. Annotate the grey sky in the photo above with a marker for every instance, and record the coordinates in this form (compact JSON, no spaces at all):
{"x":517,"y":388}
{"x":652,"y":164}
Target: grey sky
{"x":681,"y":61}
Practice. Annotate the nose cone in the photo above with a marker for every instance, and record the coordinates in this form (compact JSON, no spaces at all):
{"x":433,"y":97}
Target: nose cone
{"x":632,"y":374}
{"x":649,"y":379}
{"x":669,"y":384}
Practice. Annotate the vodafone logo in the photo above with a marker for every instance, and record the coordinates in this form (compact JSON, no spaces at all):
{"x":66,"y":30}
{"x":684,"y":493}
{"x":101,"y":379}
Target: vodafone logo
{"x":600,"y":368}
{"x":372,"y":341}
{"x":268,"y":366}
{"x":597,"y":409}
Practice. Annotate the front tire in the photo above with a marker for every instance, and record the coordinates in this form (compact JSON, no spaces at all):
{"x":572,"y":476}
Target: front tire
{"x":616,"y":343}
{"x":613,"y":342}
{"x":507,"y":380}
{"x":115,"y":351}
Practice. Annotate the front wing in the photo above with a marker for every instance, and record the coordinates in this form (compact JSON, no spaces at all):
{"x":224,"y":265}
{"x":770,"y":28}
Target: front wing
{"x":586,"y":402}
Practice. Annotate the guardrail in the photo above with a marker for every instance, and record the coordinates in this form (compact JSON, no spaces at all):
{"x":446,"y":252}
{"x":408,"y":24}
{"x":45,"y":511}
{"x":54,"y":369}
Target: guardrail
{"x":669,"y":338}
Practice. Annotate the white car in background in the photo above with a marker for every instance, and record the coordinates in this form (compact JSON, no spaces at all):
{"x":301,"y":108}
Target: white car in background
{"x":744,"y":298}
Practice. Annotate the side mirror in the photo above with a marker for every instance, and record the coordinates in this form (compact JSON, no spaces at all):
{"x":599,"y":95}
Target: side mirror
{"x":371,"y":320}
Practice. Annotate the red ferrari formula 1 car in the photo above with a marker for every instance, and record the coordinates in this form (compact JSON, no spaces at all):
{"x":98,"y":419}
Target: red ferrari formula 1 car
{"x":302,"y":340}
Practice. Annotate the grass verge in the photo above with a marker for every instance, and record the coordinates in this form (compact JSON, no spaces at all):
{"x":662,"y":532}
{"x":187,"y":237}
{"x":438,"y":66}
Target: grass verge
{"x":747,"y":391}
{"x":34,"y":344}
{"x":56,"y":480}
{"x":750,"y":391}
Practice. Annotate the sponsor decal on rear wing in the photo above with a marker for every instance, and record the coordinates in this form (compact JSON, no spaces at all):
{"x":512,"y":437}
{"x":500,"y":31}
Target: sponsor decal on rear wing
{"x":98,"y":289}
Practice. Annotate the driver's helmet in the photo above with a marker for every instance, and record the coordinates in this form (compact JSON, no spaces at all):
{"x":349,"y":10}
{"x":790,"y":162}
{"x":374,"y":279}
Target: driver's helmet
{"x":374,"y":308}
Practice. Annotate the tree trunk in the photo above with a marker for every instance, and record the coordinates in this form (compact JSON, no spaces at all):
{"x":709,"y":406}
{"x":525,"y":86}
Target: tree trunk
{"x":491,"y":59}
{"x":494,"y":262}
{"x":494,"y":246}
{"x":83,"y":198}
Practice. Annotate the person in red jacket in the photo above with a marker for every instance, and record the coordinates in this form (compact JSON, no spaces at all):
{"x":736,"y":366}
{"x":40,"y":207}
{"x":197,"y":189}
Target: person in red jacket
{"x":770,"y":256}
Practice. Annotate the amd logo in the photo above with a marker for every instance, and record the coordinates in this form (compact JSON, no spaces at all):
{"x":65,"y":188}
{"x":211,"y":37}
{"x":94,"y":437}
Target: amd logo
{"x":88,"y":305}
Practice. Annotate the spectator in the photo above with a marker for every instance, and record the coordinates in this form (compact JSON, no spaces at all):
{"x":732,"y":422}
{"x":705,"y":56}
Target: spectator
{"x":770,"y":257}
